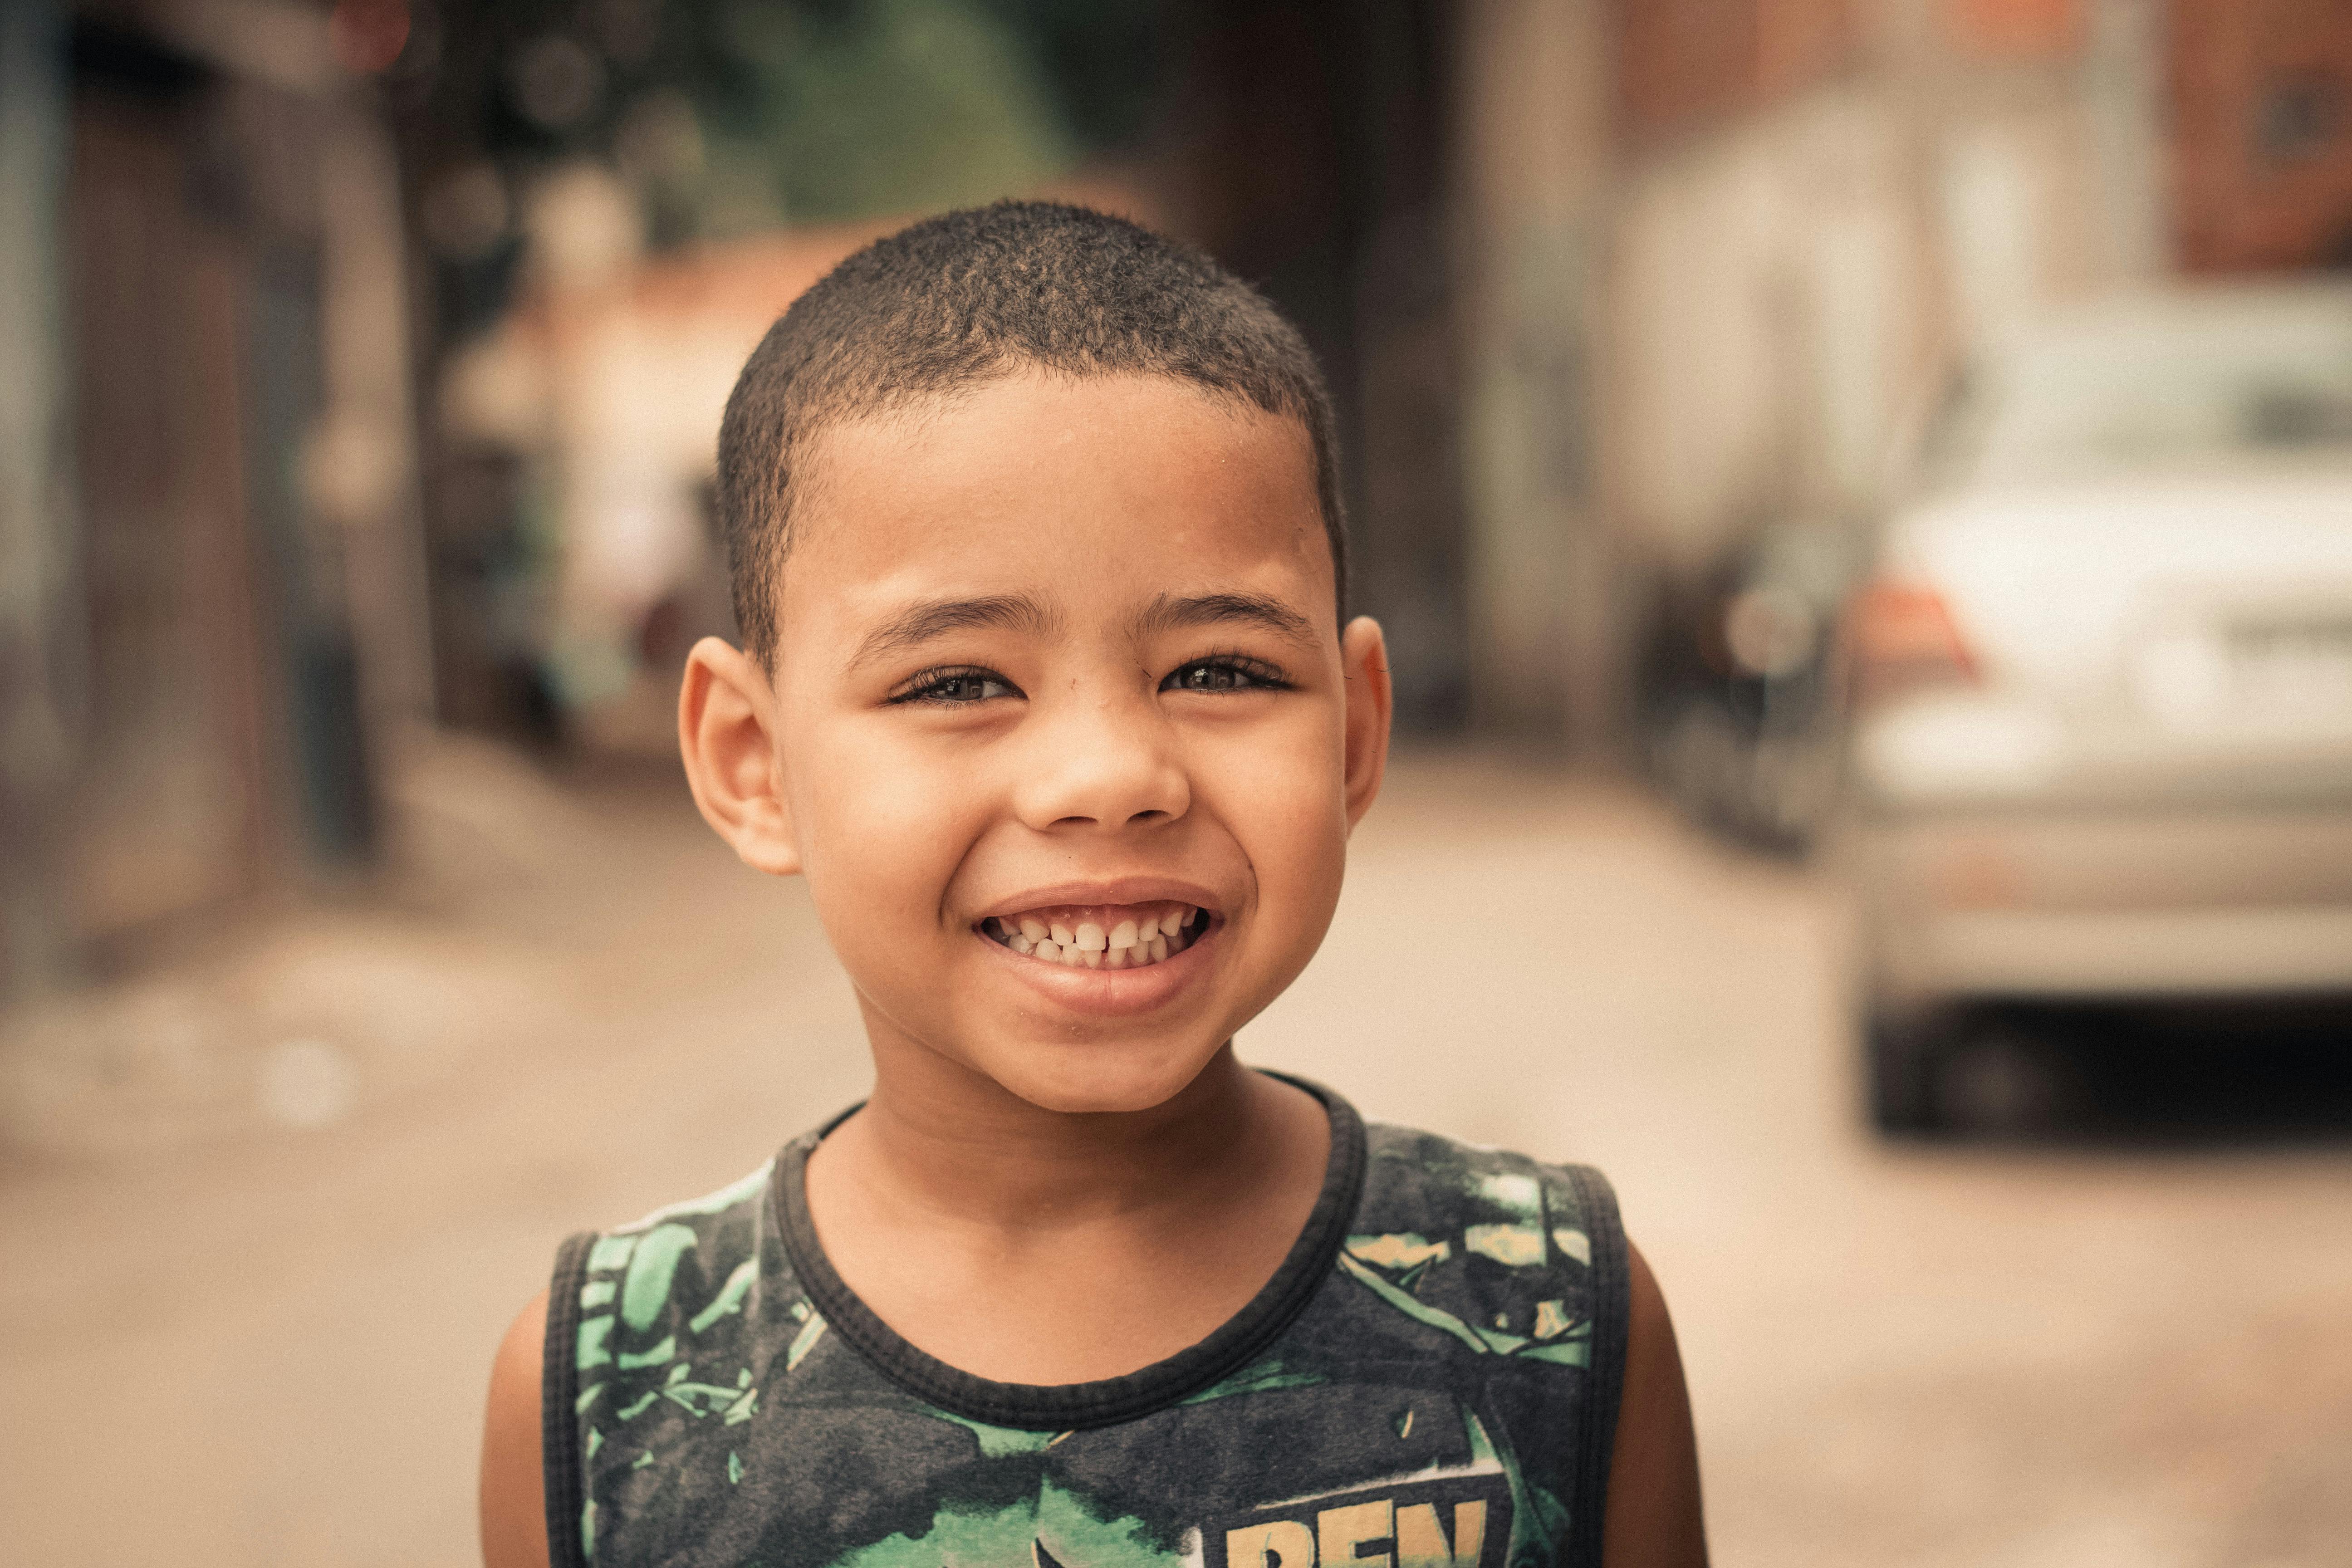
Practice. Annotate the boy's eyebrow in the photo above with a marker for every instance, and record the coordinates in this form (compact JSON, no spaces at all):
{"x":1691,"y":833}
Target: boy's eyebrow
{"x":1169,"y":613}
{"x":928,"y":618}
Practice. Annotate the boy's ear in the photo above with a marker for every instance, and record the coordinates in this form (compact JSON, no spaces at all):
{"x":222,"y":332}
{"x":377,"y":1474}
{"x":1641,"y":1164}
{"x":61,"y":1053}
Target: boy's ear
{"x":1364,"y":660}
{"x":726,"y":725}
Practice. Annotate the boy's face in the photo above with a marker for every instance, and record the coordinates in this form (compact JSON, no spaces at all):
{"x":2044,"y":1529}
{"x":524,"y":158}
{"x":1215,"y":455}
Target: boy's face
{"x":1058,"y":666}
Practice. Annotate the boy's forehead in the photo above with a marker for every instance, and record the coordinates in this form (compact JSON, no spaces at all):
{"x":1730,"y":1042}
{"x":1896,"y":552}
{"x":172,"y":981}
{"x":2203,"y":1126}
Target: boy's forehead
{"x":1081,"y":491}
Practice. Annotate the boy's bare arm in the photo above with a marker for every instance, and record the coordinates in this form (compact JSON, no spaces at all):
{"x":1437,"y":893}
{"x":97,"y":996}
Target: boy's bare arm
{"x":514,"y":1506}
{"x":1653,"y":1518}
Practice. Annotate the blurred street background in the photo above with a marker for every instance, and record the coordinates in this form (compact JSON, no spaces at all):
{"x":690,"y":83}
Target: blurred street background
{"x":1860,"y":493}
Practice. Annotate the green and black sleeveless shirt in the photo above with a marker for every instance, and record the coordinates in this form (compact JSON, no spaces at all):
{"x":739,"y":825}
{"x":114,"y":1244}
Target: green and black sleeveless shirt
{"x":1430,"y":1380}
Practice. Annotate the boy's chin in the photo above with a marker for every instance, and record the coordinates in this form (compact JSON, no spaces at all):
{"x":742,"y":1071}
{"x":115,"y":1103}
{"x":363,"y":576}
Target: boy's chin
{"x":1096,"y":1079}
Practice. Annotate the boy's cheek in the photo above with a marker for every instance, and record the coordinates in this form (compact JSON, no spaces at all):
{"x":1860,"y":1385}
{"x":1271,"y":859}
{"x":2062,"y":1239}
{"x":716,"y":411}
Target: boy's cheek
{"x":858,"y":778}
{"x":879,"y":848}
{"x":1284,"y":796}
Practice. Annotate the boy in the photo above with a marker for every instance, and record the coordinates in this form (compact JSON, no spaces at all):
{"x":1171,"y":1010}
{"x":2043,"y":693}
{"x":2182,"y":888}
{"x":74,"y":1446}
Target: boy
{"x":1045,"y":691}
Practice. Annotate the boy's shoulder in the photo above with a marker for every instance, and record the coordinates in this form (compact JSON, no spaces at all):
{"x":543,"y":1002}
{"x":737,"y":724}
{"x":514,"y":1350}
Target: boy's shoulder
{"x":655,"y":1295}
{"x":1510,"y":1255}
{"x":1516,"y":1206}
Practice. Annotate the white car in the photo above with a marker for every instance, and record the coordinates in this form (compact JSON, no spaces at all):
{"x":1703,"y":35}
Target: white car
{"x":2102,"y":678}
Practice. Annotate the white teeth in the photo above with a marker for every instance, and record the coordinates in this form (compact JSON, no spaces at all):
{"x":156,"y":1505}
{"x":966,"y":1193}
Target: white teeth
{"x":1128,"y":943}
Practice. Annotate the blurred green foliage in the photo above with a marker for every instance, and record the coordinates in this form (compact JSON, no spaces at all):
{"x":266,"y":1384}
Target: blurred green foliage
{"x":732,"y":115}
{"x":891,"y":105}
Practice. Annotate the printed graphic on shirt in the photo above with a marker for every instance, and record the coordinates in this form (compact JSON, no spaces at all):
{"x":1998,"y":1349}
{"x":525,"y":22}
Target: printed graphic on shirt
{"x":1452,"y":1522}
{"x":1421,"y":1411}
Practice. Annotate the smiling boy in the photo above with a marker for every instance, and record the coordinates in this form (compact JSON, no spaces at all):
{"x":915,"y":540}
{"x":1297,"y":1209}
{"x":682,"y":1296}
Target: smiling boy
{"x":1047,"y":692}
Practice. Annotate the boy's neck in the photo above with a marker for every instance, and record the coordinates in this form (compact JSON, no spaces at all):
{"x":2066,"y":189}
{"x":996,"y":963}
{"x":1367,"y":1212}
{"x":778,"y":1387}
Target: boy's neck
{"x":1029,"y":1246}
{"x":957,"y":1145}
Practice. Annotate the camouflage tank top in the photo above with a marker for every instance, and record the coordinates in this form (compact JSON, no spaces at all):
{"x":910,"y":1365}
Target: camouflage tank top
{"x":1430,"y":1380}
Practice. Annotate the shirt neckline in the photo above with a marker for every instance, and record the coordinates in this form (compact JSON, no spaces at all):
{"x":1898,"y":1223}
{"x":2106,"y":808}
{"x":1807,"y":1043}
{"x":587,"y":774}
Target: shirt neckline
{"x":1069,"y":1407}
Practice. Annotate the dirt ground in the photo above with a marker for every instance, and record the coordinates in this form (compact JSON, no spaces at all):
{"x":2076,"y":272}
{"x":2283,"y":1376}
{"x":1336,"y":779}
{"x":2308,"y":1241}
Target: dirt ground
{"x":269,"y":1204}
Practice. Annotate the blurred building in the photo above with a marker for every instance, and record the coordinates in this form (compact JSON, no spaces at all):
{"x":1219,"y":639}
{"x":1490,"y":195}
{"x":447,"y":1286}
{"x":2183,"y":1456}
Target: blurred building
{"x":588,"y":414}
{"x":1717,"y":258}
{"x":213,"y":623}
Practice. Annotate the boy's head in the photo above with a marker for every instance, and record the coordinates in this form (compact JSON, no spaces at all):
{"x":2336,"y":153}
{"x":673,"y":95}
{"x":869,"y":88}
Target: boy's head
{"x":964,"y":298}
{"x":1033,"y":539}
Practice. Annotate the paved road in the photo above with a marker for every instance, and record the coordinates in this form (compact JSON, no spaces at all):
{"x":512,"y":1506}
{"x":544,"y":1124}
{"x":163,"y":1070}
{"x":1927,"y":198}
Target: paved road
{"x":245,"y":1343}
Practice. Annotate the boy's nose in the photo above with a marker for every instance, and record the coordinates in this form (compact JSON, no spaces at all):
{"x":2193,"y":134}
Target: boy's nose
{"x":1101,"y":760}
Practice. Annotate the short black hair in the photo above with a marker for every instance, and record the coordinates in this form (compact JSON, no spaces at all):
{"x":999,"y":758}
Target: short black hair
{"x":967,"y":296}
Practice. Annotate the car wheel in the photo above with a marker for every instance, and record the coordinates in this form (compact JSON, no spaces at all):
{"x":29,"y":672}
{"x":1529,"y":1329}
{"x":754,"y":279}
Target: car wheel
{"x":1901,"y":1064}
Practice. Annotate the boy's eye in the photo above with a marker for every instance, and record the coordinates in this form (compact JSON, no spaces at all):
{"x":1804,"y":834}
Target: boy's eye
{"x":956,"y":688}
{"x":1223,"y":675}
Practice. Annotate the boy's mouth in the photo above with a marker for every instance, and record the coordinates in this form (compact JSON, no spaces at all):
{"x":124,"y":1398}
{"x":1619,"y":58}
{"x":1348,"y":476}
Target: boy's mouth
{"x":1099,"y":936}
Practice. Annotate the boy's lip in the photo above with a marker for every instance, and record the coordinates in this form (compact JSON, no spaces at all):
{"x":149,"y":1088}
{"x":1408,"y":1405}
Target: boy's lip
{"x":1111,"y":993}
{"x":1116,"y":890}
